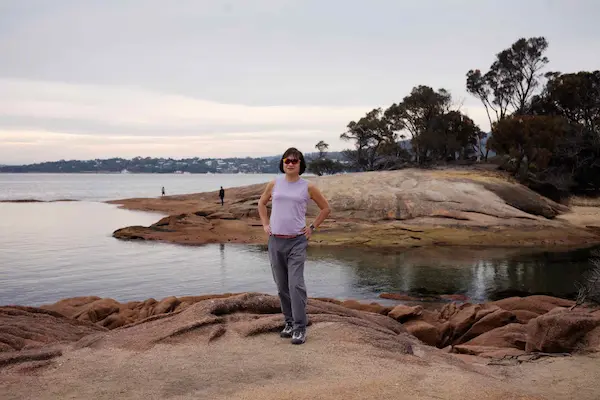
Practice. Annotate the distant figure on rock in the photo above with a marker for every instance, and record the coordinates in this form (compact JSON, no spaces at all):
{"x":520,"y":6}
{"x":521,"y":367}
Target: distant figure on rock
{"x":288,"y":237}
{"x":163,"y":191}
{"x":222,"y":194}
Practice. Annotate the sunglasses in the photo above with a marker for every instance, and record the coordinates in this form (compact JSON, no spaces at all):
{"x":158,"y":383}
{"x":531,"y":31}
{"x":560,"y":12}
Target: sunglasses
{"x":291,"y":161}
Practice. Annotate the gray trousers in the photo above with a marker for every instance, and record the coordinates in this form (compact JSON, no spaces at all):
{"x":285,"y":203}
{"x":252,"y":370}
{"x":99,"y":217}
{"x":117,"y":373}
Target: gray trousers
{"x":287,"y":258}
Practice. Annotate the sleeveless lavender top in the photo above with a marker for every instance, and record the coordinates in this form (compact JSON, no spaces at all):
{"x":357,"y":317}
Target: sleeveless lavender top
{"x":288,"y":209}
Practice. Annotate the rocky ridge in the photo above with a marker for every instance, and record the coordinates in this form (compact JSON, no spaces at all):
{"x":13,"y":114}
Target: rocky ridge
{"x":403,"y":208}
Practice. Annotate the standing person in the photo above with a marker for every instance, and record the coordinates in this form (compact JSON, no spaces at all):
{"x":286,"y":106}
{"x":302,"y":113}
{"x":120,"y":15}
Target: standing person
{"x":163,"y":190}
{"x":288,"y":237}
{"x":222,"y":194}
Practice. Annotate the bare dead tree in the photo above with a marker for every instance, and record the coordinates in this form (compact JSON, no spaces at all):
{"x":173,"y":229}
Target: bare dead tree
{"x":588,"y":288}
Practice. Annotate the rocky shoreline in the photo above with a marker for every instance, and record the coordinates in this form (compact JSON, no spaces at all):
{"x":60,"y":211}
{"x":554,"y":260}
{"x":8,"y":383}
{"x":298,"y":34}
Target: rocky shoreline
{"x":81,"y":345}
{"x":457,"y":324}
{"x":392,"y":209}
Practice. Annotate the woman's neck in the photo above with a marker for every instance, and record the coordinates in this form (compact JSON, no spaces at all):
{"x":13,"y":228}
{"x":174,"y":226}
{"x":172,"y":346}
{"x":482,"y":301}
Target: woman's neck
{"x":292,"y":178}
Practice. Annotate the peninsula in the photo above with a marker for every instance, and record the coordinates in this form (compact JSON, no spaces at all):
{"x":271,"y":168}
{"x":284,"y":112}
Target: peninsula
{"x":385,"y":209}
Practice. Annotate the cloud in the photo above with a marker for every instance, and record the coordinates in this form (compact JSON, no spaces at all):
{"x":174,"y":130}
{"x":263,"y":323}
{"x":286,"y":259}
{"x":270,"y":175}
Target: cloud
{"x":73,"y":120}
{"x":130,"y":107}
{"x":53,"y":120}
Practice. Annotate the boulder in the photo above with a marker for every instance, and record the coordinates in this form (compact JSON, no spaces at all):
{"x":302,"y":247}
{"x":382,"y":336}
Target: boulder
{"x":114,"y":321}
{"x":166,"y":305}
{"x":485,"y":310}
{"x":524,"y":316}
{"x":98,"y":310}
{"x":373,"y":307}
{"x":538,"y":304}
{"x":560,"y":331}
{"x":71,"y":306}
{"x":423,"y":331}
{"x":31,"y":327}
{"x":398,"y":296}
{"x":511,"y":335}
{"x":495,"y":319}
{"x":221,"y":215}
{"x":461,"y":321}
{"x":448,"y":311}
{"x":487,"y":351}
{"x":403,"y":313}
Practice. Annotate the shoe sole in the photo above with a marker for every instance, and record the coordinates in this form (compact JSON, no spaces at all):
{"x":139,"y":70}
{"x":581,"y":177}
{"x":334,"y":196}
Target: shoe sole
{"x":285,"y":335}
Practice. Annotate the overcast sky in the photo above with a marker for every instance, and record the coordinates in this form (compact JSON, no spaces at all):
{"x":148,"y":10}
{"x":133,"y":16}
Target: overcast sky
{"x":102,"y":78}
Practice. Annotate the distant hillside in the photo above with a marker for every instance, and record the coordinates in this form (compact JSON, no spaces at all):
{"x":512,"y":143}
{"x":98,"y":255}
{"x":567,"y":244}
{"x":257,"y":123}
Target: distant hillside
{"x":268,"y":164}
{"x":151,"y":165}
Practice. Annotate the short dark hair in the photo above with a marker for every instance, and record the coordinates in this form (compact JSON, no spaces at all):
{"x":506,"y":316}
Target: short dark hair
{"x":292,"y":151}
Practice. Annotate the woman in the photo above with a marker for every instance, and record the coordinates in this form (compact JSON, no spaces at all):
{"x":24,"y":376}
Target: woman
{"x":288,"y":237}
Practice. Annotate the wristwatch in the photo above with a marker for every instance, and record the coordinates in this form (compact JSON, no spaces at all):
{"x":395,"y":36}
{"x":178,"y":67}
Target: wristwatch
{"x":312,"y":227}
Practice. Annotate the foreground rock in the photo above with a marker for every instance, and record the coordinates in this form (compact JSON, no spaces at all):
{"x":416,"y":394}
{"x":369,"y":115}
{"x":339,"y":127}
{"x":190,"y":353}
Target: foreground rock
{"x":30,"y":334}
{"x":523,"y":324}
{"x":380,"y":209}
{"x":228,"y":348}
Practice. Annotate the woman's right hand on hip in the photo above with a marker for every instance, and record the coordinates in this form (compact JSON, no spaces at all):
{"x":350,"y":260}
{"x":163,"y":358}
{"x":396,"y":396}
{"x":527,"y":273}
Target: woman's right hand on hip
{"x":267,"y":229}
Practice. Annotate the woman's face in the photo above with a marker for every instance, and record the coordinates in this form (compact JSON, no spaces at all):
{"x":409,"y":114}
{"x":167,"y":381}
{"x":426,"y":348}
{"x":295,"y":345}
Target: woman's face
{"x":291,"y":165}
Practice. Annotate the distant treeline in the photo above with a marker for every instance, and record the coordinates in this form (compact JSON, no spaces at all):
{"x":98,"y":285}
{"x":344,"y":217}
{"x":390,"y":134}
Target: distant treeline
{"x":156,"y":165}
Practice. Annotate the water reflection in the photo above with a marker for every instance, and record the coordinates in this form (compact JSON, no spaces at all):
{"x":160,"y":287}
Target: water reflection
{"x":479,"y":274}
{"x":57,"y":250}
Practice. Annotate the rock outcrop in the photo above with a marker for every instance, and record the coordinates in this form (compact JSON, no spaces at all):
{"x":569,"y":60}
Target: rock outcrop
{"x":227,"y":347}
{"x":378,"y":209}
{"x":33,"y":334}
{"x":532,"y":323}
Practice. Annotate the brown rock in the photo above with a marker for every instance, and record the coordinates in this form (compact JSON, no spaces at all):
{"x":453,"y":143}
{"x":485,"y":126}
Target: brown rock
{"x":221,"y":215}
{"x":146,"y":308}
{"x":113,"y":321}
{"x":454,"y":297}
{"x":398,"y":296}
{"x":448,"y":311}
{"x":524,"y":316}
{"x":486,"y":310}
{"x":435,"y":206}
{"x":446,"y":333}
{"x":423,"y":331}
{"x":252,"y":314}
{"x":431,"y":317}
{"x":403,"y":313}
{"x":592,"y":339}
{"x":492,"y":320}
{"x":537,"y":304}
{"x":560,"y":331}
{"x":463,"y":319}
{"x":511,"y":335}
{"x":71,"y":306}
{"x":373,"y":307}
{"x":98,"y":310}
{"x":487,"y":351}
{"x":30,"y":327}
{"x":166,"y":305}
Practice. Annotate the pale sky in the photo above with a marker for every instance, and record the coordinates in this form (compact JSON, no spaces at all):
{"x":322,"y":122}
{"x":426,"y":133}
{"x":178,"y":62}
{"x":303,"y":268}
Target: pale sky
{"x":103,"y":78}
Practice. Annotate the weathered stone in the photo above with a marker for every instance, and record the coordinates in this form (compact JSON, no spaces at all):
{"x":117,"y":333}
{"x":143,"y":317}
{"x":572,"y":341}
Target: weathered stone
{"x":402,"y":313}
{"x":423,"y":331}
{"x":492,"y":320}
{"x":560,"y":331}
{"x":511,"y":335}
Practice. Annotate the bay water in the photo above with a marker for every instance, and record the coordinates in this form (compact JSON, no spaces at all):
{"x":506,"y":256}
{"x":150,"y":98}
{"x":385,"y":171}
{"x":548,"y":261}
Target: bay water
{"x":54,"y":250}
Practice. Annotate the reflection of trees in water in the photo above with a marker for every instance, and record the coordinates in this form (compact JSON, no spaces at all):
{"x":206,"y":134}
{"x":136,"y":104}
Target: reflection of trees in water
{"x":553,"y":273}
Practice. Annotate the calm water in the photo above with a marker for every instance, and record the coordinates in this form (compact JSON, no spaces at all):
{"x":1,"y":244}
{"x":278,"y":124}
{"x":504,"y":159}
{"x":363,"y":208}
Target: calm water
{"x":102,"y":187}
{"x":50,"y":251}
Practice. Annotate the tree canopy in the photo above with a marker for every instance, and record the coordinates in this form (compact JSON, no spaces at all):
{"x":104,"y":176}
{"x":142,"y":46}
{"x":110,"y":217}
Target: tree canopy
{"x":545,"y":126}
